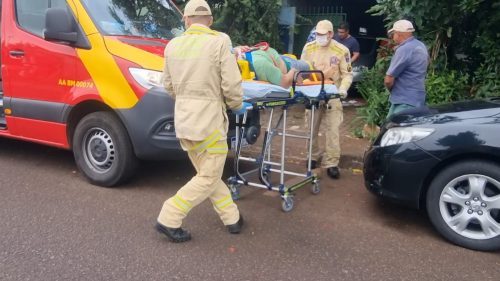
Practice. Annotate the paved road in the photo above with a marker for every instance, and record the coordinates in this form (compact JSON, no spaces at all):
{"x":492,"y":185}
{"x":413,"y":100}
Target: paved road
{"x":55,"y":226}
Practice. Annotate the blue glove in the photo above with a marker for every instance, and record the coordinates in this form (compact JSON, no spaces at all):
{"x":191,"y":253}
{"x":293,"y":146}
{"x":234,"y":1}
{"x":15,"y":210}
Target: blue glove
{"x":243,"y":109}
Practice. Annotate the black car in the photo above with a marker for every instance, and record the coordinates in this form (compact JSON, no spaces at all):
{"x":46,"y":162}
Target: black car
{"x":446,"y":160}
{"x":367,"y":57}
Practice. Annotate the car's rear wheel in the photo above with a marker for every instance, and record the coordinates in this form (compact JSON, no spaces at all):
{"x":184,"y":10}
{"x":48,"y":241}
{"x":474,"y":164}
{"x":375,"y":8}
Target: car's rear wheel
{"x":102,"y":149}
{"x":463,"y":203}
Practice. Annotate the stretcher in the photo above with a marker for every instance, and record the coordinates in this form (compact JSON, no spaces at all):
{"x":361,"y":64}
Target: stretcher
{"x":270,"y":97}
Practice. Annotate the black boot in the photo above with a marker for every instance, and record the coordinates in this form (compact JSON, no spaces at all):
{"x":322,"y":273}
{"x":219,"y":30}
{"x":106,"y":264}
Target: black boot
{"x":235,"y":228}
{"x":314,"y":164}
{"x":175,"y":235}
{"x":333,"y":172}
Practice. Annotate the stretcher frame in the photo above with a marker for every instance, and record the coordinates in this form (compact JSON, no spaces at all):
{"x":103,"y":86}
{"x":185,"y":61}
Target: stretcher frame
{"x":263,"y":164}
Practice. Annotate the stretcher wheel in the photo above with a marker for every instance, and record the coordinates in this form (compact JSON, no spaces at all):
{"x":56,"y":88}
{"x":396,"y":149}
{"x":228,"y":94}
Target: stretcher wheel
{"x":315,"y":189}
{"x":252,"y":134}
{"x":235,"y":191}
{"x":287,"y":204}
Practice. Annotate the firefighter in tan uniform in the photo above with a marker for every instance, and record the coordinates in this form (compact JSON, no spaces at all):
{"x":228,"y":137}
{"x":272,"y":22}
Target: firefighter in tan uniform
{"x":333,"y":59}
{"x":202,"y":76}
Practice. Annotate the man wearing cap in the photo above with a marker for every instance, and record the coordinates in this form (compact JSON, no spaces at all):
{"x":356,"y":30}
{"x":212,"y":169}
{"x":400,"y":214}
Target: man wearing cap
{"x":202,"y":76}
{"x":333,"y":59}
{"x":405,"y":78}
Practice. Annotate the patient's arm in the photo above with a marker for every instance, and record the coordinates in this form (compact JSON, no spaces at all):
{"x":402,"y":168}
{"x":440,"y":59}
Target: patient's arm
{"x":287,"y":79}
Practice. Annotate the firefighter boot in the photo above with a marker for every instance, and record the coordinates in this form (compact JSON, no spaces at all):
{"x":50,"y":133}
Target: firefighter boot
{"x":236,"y":227}
{"x":333,"y":172}
{"x":314,"y":164}
{"x":175,"y":235}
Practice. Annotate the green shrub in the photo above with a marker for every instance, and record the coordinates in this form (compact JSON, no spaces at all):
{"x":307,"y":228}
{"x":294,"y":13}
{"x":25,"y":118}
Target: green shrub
{"x":372,"y":89}
{"x":376,"y":108}
{"x":446,"y":86}
{"x":486,"y":82}
{"x":461,"y":36}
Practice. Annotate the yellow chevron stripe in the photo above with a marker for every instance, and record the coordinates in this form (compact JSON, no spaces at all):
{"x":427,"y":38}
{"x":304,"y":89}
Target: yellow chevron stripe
{"x":147,"y":60}
{"x":197,"y":29}
{"x":83,"y":18}
{"x":110,"y":82}
{"x":111,"y":85}
{"x":312,"y":46}
{"x":337,"y":50}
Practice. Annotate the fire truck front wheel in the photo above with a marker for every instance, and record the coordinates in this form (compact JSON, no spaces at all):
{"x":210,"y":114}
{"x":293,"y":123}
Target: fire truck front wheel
{"x":103,"y":151}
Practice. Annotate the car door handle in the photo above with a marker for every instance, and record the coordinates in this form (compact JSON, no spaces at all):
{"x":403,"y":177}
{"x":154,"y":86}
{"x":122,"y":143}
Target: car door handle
{"x":17,"y":53}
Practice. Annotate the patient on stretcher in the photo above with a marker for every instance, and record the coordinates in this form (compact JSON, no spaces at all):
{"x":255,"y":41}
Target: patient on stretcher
{"x":263,"y":63}
{"x":266,"y":73}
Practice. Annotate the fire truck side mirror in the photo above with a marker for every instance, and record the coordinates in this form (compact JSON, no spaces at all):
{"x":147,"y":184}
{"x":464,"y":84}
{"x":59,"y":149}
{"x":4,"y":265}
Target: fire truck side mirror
{"x":60,"y":26}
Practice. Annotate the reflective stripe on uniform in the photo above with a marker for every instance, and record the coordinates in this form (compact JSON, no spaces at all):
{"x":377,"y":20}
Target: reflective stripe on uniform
{"x":181,"y":204}
{"x":224,"y":202}
{"x":337,"y":50}
{"x":208,"y":142}
{"x":191,"y":47}
{"x":197,"y":30}
{"x":313,"y":47}
{"x":218,"y":148}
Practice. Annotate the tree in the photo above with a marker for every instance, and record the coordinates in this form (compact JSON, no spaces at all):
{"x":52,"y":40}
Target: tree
{"x":463,"y":39}
{"x":248,"y":21}
{"x":462,"y":36}
{"x":463,"y":32}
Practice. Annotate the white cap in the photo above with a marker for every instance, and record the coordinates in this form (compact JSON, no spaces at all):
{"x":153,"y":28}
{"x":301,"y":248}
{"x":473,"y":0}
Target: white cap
{"x":324,"y":26}
{"x":197,"y":8}
{"x":402,"y":26}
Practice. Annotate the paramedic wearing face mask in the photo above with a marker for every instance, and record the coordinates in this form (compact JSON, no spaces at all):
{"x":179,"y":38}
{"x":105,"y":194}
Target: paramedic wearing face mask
{"x":202,"y":76}
{"x":333,"y":59}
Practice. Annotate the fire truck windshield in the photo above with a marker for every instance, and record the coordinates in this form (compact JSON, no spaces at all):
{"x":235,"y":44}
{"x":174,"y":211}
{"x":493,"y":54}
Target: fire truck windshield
{"x":145,"y":18}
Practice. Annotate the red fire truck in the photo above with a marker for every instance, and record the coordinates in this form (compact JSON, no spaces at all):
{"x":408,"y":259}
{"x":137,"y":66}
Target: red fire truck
{"x":84,"y":75}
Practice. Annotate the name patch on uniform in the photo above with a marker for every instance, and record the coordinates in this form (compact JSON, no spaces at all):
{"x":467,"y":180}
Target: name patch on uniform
{"x":334,"y":60}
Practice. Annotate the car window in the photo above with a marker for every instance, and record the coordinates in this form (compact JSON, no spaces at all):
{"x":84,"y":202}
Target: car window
{"x":31,"y":14}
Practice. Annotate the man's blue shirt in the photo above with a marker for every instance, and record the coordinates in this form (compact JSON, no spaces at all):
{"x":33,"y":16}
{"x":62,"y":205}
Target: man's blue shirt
{"x":409,"y":68}
{"x":350,"y":42}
